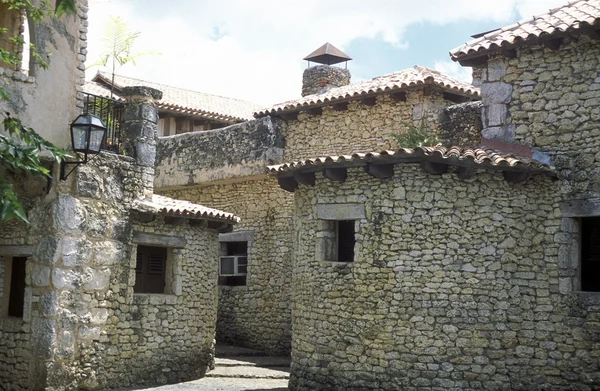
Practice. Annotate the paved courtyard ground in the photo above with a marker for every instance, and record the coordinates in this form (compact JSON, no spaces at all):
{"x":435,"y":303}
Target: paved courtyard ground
{"x":238,"y":369}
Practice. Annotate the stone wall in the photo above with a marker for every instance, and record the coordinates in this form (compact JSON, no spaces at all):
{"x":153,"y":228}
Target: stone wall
{"x":257,"y":315}
{"x":455,"y":285}
{"x":237,"y":151}
{"x":549,"y":99}
{"x":152,"y":339}
{"x":461,"y":125}
{"x":321,"y":78}
{"x":361,"y":128}
{"x":83,"y":327}
{"x":47,"y":99}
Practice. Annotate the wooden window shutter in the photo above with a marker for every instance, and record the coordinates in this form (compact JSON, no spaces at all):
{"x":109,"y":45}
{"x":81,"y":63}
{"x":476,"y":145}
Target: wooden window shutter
{"x":16,"y":299}
{"x":151,"y":264}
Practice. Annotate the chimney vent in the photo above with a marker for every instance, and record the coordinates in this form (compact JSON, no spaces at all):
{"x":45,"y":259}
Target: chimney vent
{"x":321,"y":78}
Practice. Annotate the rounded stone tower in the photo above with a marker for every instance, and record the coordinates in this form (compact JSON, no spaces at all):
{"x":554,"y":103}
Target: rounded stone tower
{"x":321,"y":78}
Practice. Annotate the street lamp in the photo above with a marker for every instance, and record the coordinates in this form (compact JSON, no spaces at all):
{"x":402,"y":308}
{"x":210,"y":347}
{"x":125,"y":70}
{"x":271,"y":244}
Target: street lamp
{"x":87,"y":135}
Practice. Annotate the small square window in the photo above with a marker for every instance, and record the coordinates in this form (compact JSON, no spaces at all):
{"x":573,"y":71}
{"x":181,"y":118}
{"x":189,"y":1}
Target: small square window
{"x":590,"y":254}
{"x":150,"y":269}
{"x":233,"y":265}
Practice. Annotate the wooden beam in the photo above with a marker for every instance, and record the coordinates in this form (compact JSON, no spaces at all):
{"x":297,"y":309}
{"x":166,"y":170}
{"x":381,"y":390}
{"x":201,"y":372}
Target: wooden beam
{"x":515,"y":176}
{"x":287,"y":183}
{"x":221,"y":226}
{"x":455,"y":98}
{"x":434,"y":168}
{"x":144,"y":217}
{"x":149,"y":239}
{"x":510,"y":53}
{"x":554,"y":44}
{"x":340,"y":106}
{"x":338,"y":174}
{"x":369,"y":101}
{"x":289,"y":116}
{"x":174,"y":220}
{"x":399,"y":96}
{"x":473,"y":62}
{"x":198,"y":223}
{"x":380,"y":171}
{"x":305,"y":178}
{"x":315,"y":111}
{"x":465,"y":172}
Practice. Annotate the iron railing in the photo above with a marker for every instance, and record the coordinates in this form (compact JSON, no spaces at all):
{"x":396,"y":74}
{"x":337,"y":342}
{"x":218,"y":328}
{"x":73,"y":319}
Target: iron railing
{"x":111,"y":112}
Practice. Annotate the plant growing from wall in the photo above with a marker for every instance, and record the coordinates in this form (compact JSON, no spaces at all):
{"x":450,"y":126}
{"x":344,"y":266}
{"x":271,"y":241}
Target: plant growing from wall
{"x":416,"y":136}
{"x":20,"y":145}
{"x":117,"y":42}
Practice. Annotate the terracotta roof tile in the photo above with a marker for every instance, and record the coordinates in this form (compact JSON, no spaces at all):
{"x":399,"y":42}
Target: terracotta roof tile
{"x":179,"y":100}
{"x":179,"y":208}
{"x":454,"y":156}
{"x":568,"y":18}
{"x":418,"y":75}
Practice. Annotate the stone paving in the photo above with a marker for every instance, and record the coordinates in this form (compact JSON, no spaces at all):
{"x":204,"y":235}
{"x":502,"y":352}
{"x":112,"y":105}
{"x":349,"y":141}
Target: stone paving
{"x":238,"y":369}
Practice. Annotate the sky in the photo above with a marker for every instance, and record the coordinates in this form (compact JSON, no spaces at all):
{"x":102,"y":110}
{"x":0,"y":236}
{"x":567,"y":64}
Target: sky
{"x":253,"y":49}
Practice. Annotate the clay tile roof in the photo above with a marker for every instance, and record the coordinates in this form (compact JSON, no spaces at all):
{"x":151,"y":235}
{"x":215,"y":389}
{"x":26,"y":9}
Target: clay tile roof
{"x":415,"y":76}
{"x":568,"y":18}
{"x":454,"y":156}
{"x":179,"y":100}
{"x":179,"y":208}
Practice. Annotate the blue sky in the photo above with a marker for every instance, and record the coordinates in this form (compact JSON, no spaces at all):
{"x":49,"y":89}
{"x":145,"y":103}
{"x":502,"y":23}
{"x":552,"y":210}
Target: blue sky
{"x":253,"y":50}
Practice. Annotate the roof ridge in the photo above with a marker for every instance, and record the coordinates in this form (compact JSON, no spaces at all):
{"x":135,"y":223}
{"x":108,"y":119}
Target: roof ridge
{"x":177,"y":88}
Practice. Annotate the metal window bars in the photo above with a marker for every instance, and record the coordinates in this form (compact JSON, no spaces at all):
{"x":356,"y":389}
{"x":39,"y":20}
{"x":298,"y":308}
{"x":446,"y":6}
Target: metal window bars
{"x":111,"y":112}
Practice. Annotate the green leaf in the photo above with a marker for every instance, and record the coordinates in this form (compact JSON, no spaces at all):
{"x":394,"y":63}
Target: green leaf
{"x":65,"y":7}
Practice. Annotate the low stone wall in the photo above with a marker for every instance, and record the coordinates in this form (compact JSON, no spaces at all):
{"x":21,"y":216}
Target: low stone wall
{"x":454,"y":285}
{"x":257,"y":315}
{"x":237,"y":151}
{"x":461,"y":125}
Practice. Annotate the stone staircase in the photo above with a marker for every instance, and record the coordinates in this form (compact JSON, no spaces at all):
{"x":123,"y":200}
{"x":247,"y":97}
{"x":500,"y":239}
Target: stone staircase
{"x":232,"y":362}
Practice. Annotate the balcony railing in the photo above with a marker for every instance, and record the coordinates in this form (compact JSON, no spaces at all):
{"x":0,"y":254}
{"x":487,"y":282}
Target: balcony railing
{"x":111,"y":112}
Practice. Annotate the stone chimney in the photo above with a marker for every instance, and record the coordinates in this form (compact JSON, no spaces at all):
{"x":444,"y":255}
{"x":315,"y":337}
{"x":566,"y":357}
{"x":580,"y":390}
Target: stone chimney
{"x":321,"y":78}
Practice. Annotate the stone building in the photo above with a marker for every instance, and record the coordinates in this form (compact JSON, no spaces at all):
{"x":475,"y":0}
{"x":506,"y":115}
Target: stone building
{"x":226,"y":169}
{"x":109,"y":285}
{"x":462,"y":268}
{"x":179,"y":110}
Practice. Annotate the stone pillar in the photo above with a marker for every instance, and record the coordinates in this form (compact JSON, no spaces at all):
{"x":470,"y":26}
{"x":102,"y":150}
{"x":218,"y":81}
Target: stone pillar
{"x":496,"y":94}
{"x":140,"y":127}
{"x":321,"y":78}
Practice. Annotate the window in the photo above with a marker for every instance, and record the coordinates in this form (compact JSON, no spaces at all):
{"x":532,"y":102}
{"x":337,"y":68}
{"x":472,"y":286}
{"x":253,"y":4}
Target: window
{"x":13,"y":292}
{"x":233,"y":265}
{"x":150,"y":269}
{"x":345,"y":240}
{"x":16,"y":39}
{"x":590,"y":254}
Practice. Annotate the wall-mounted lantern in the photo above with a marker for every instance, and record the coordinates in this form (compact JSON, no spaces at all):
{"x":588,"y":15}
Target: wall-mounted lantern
{"x":87,"y":135}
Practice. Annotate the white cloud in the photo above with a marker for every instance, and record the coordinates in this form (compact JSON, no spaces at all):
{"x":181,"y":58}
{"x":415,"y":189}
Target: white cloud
{"x":252,"y":49}
{"x":454,"y":69}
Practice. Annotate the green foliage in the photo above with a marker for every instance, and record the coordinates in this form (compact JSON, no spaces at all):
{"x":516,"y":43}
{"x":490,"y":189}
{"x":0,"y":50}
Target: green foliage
{"x":117,"y":42}
{"x":416,"y":136}
{"x":20,"y":145}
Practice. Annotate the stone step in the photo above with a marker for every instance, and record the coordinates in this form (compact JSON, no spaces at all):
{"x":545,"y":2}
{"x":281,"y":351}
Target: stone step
{"x":253,"y":361}
{"x":233,"y":351}
{"x":252,"y":372}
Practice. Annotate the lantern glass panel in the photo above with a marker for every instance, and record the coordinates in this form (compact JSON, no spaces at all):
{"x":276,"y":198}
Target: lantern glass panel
{"x":79,"y":134}
{"x":96,"y":138}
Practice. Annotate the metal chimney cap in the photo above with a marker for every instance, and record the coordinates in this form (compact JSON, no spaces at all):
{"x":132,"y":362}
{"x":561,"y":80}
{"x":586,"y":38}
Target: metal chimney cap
{"x":328,"y":55}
